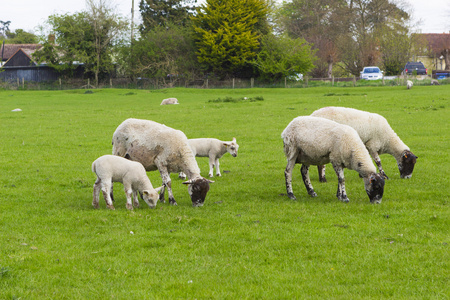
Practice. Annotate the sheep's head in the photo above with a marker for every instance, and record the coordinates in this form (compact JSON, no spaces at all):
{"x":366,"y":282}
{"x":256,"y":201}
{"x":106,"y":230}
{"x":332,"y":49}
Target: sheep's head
{"x":406,"y":164}
{"x":374,"y":184}
{"x":198,"y":188}
{"x":151,"y":197}
{"x":232,"y":147}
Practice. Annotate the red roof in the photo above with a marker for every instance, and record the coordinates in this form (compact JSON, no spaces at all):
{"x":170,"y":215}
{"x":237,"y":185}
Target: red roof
{"x":11,"y":49}
{"x":437,"y":41}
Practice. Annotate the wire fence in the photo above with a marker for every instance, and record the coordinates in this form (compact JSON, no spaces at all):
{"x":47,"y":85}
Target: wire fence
{"x":234,"y":83}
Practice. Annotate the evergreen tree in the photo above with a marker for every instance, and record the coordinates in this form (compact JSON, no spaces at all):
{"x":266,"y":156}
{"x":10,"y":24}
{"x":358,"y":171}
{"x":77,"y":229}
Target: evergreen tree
{"x":228,"y":33}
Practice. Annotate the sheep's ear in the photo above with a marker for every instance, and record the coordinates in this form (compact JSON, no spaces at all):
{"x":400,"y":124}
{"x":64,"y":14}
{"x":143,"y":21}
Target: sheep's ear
{"x":187,"y":182}
{"x":145,"y":193}
{"x":159,"y":189}
{"x":234,"y":139}
{"x":210,"y":181}
{"x":226,"y":144}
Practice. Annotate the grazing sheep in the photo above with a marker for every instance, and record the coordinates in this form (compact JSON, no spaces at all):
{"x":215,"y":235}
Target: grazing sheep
{"x":409,"y":84}
{"x":376,"y":134}
{"x":169,"y":101}
{"x":162,"y":148}
{"x":317,"y":141}
{"x":214,"y":149}
{"x":434,"y":82}
{"x":110,"y":168}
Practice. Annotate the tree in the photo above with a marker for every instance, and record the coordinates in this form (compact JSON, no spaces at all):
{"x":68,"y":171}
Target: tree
{"x":4,"y":27}
{"x":282,"y":56}
{"x":395,"y":48}
{"x":162,"y":12}
{"x":228,"y":33}
{"x":321,"y":23}
{"x":87,"y":37}
{"x":20,"y":36}
{"x":164,"y":50}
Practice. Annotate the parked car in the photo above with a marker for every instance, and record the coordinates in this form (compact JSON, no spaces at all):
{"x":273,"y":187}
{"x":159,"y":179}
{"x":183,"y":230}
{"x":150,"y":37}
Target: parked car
{"x":412,"y":67}
{"x":371,"y":73}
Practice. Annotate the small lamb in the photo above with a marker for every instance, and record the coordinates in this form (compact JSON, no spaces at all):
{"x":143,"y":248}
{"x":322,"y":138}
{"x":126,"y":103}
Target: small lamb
{"x":112,"y":168}
{"x":214,"y":149}
{"x":169,"y":101}
{"x":409,"y":84}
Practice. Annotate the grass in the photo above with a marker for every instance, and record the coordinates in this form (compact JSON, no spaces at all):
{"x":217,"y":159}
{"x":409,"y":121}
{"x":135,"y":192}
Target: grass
{"x":249,"y":240}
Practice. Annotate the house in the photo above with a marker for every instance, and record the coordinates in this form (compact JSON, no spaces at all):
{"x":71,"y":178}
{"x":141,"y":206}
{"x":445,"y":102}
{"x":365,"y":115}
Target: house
{"x":18,"y":64}
{"x":437,"y":45}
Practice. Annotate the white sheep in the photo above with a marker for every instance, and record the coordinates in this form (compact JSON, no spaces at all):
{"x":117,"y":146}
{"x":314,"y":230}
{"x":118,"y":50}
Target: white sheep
{"x":409,"y":84}
{"x":317,"y":141}
{"x":376,"y":134}
{"x":214,"y":149}
{"x":169,"y":101}
{"x":162,"y":148}
{"x":111,"y":168}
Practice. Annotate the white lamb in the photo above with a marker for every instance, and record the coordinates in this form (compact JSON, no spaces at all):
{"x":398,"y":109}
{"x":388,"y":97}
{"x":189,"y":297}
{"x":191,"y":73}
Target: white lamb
{"x":376,"y":134}
{"x":111,"y":168}
{"x":317,"y":141}
{"x":214,"y":149}
{"x":169,"y":101}
{"x":162,"y":148}
{"x":409,"y":84}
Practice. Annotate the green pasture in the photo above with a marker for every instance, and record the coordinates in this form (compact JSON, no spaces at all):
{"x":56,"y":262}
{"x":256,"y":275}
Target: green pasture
{"x":249,"y":240}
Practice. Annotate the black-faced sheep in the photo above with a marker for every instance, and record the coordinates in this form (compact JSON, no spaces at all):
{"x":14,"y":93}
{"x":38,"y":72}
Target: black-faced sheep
{"x":214,"y":149}
{"x":376,"y":134}
{"x":111,"y":168}
{"x":317,"y":141}
{"x":162,"y":148}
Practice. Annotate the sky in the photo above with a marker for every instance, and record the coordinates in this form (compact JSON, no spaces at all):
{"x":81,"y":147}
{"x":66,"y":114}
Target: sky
{"x":28,"y":14}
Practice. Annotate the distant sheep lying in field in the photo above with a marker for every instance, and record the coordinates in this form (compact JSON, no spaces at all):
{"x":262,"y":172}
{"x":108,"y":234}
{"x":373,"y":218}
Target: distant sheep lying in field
{"x":318,"y":141}
{"x":409,"y":84}
{"x":169,"y":101}
{"x":377,"y":135}
{"x":111,"y":168}
{"x":162,"y":148}
{"x":214,"y":149}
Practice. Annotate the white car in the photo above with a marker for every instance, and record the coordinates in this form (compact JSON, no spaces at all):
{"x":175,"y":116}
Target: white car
{"x":371,"y":73}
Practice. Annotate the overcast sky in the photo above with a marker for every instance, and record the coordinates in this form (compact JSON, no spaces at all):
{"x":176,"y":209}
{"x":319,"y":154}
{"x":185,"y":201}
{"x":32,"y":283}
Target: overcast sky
{"x":27,"y":14}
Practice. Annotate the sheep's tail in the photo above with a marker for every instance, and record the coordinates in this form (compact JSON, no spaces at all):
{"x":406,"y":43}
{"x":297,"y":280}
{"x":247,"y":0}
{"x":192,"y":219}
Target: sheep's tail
{"x":288,"y":145}
{"x":93,"y":167}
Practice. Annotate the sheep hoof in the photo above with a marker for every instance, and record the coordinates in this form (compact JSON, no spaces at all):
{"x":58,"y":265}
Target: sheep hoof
{"x":218,"y":174}
{"x":313,"y":194}
{"x":173,"y":202}
{"x":291,"y":195}
{"x":210,"y":175}
{"x":136,"y":204}
{"x":95,"y":205}
{"x":129,"y":206}
{"x":111,"y":207}
{"x":345,"y":200}
{"x":323,"y":179}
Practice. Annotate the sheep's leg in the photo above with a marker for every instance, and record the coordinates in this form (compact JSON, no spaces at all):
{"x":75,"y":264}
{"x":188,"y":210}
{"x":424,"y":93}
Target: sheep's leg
{"x":305,"y":175}
{"x":165,"y":175}
{"x":211,"y":166}
{"x":96,"y":194}
{"x":106,"y":190}
{"x":135,"y":199}
{"x":288,"y":178}
{"x":341,"y":193}
{"x":111,"y":194}
{"x":129,"y":193}
{"x":377,"y":160}
{"x":321,"y":170}
{"x":217,"y":167}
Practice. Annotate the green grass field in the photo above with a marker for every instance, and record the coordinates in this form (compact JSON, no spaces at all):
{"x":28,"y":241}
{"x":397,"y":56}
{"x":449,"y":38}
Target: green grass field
{"x":249,"y":240}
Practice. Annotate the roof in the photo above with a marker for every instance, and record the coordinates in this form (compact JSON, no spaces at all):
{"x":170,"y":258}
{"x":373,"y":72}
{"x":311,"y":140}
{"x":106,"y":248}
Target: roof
{"x":437,"y":41}
{"x":11,"y":49}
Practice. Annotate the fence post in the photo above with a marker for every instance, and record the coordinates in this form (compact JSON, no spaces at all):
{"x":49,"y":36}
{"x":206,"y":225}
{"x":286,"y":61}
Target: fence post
{"x":18,"y":83}
{"x":332,"y":80}
{"x":233,"y":83}
{"x":110,"y":82}
{"x":252,"y":82}
{"x":285,"y":82}
{"x":354,"y":80}
{"x":23,"y":83}
{"x":60,"y":84}
{"x":207,"y":82}
{"x":306,"y":81}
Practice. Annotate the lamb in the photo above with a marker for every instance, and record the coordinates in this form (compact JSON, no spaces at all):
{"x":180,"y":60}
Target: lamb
{"x":169,"y":101}
{"x":409,"y":84}
{"x":159,"y":147}
{"x":434,"y":82}
{"x":214,"y":149}
{"x":376,"y":134}
{"x":110,"y":168}
{"x":316,"y":141}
